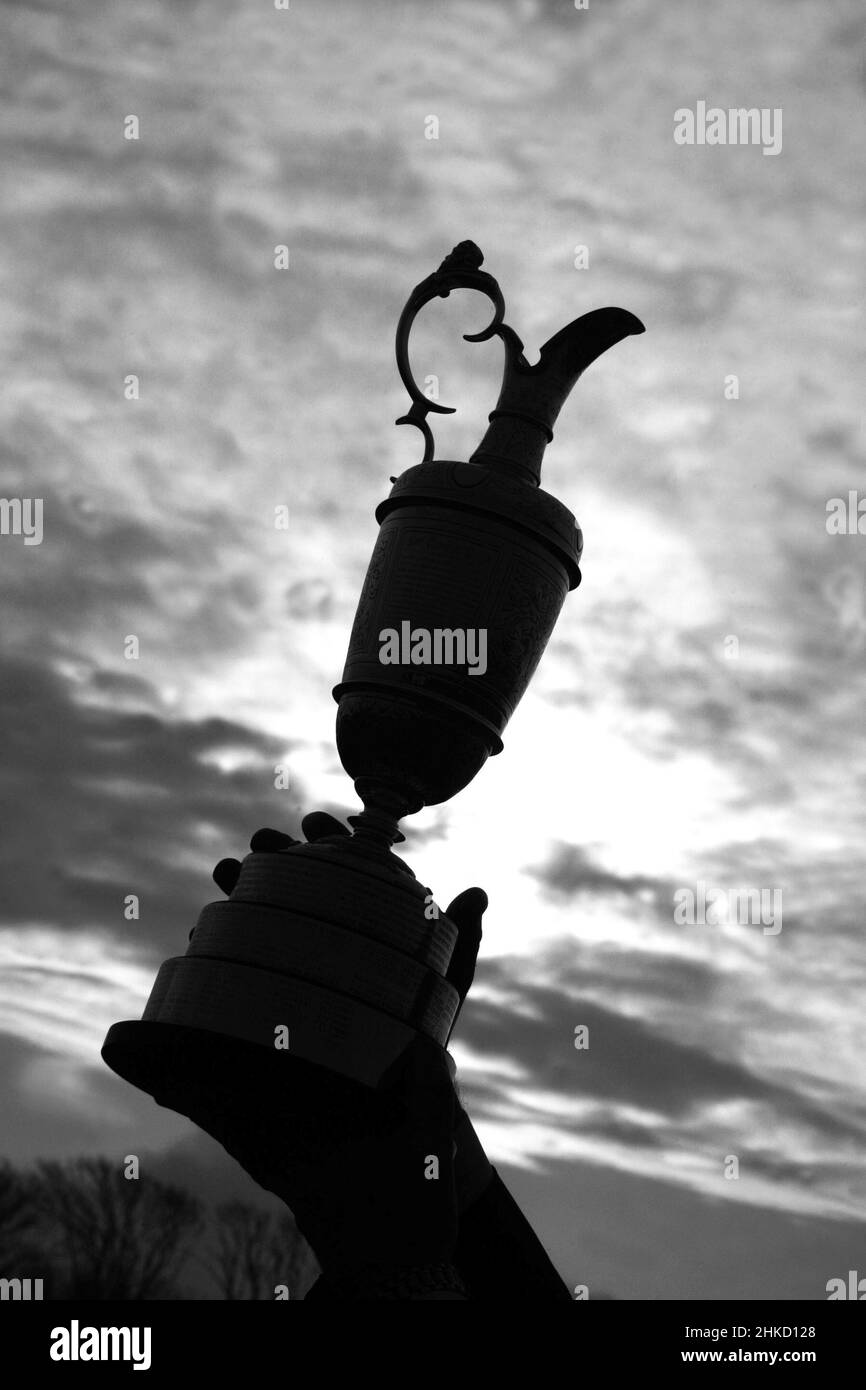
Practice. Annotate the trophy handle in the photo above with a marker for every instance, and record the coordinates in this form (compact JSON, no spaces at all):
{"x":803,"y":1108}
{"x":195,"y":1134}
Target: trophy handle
{"x":459,"y":270}
{"x":531,"y":395}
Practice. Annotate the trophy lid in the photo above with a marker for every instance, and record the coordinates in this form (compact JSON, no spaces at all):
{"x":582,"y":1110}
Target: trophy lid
{"x":480,"y":487}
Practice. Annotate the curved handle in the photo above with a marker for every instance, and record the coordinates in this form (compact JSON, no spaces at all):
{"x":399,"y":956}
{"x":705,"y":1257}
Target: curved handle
{"x":459,"y":270}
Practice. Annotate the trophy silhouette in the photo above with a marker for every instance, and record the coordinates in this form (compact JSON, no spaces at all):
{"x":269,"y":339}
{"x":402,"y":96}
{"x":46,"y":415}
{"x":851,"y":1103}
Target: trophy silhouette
{"x":333,"y":952}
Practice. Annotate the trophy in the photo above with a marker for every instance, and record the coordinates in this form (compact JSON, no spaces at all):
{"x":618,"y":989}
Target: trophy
{"x":333,"y":951}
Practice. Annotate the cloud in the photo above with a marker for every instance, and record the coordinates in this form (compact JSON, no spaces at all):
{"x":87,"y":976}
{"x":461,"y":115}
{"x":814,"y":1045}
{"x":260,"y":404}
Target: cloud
{"x":570,"y":871}
{"x":114,"y":796}
{"x":642,"y":1236}
{"x":639,"y":1094}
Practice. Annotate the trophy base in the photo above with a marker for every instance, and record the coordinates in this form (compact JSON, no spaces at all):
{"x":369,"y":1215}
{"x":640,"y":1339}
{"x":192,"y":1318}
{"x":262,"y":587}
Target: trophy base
{"x":225,"y":1085}
{"x":263,"y":1106}
{"x":328,"y":960}
{"x":212,"y":1005}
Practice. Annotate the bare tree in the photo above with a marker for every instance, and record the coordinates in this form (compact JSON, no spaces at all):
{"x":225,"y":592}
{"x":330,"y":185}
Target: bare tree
{"x":20,"y":1251}
{"x":256,"y":1251}
{"x":113,"y":1237}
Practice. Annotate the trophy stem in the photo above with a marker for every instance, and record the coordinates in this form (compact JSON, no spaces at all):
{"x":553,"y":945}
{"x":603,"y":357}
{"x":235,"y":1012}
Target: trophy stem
{"x":384,"y":807}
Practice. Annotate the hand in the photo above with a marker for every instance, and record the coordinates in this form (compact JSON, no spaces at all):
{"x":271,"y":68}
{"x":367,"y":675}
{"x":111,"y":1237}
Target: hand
{"x":465,"y":911}
{"x":379,"y":1189}
{"x":371,"y":1176}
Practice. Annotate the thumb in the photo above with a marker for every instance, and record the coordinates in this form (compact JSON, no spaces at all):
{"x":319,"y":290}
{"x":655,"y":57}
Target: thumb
{"x":466,"y":912}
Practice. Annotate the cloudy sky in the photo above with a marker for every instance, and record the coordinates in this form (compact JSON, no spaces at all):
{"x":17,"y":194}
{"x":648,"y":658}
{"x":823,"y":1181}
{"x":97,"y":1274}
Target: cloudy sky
{"x":698,"y":716}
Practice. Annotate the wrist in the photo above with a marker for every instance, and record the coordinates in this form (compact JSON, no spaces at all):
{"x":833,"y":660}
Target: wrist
{"x":473,"y":1172}
{"x":383,"y":1282}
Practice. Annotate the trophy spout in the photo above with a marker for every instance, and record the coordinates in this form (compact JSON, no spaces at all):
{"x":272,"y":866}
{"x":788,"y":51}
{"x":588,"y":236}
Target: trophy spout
{"x":569,"y":352}
{"x":531,"y":397}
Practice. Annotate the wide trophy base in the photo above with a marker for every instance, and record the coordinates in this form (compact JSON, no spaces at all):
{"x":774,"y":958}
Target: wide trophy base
{"x":230,"y":1002}
{"x":331,"y":954}
{"x":233,"y":1089}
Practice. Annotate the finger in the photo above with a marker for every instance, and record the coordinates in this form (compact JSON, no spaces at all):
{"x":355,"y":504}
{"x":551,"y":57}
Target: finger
{"x":468,"y":907}
{"x":319,"y":823}
{"x":225,"y":875}
{"x":466,"y":911}
{"x":265,"y":841}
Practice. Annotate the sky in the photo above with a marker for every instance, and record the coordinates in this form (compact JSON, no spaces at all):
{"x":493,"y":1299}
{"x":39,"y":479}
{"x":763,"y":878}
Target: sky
{"x":697,"y":717}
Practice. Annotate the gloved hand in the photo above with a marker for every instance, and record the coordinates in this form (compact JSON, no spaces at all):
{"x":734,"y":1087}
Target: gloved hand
{"x":465,"y":911}
{"x":372,"y":1177}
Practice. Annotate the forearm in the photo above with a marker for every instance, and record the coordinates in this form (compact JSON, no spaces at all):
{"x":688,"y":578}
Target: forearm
{"x":403,"y":1282}
{"x":498,"y":1254}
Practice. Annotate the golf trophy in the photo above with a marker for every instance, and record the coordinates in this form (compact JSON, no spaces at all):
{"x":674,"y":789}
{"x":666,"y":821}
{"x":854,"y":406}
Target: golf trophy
{"x":335,"y":946}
